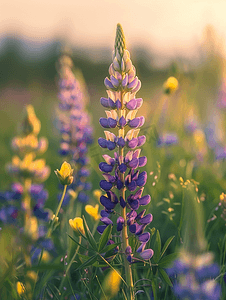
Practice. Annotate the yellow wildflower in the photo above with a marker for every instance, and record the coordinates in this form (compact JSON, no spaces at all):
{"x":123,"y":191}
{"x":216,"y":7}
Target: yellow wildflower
{"x":33,"y":227}
{"x":170,"y":85}
{"x":93,"y":211}
{"x":65,"y":174}
{"x":20,"y":288}
{"x":77,"y":225}
{"x":97,"y":194}
{"x":111,"y":284}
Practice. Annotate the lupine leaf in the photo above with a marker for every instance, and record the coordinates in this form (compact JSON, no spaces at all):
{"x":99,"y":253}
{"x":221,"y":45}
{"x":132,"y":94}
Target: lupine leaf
{"x":167,"y":260}
{"x":166,"y":245}
{"x":77,"y":242}
{"x":104,"y":238}
{"x":89,"y":235}
{"x":157,"y":246}
{"x":110,"y":247}
{"x":89,"y":262}
{"x":165,"y":277}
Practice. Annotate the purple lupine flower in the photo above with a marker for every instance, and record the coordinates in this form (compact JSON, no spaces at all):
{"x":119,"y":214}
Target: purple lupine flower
{"x":121,"y":172}
{"x":167,"y":139}
{"x":74,"y":125}
{"x":195,"y":276}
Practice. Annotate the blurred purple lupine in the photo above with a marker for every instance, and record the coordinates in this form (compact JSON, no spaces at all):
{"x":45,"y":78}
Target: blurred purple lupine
{"x":195,"y":274}
{"x":121,"y":172}
{"x":74,"y":125}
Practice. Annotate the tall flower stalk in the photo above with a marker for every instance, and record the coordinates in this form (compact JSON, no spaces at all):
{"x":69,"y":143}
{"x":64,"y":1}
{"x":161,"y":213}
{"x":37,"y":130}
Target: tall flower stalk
{"x":76,"y":132}
{"x":121,"y":119}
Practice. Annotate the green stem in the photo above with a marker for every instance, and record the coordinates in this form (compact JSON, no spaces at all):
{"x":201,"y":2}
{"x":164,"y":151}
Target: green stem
{"x":70,"y":263}
{"x":57,"y":212}
{"x":125,"y":242}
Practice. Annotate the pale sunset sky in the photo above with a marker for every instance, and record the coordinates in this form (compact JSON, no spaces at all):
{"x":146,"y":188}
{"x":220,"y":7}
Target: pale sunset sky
{"x":169,"y":28}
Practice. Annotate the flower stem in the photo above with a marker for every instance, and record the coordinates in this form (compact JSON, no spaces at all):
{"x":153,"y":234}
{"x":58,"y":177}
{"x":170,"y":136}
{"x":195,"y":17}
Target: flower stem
{"x":27,"y":203}
{"x":125,"y":242}
{"x":57,"y":212}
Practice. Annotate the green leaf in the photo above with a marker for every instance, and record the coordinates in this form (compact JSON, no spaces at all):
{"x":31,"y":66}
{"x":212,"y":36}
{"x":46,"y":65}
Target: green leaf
{"x":77,"y":242}
{"x":157,"y":247}
{"x":166,"y":245}
{"x":104,"y":238}
{"x":89,"y":235}
{"x":110,"y":247}
{"x":165,"y":277}
{"x":89,"y":262}
{"x":167,"y":260}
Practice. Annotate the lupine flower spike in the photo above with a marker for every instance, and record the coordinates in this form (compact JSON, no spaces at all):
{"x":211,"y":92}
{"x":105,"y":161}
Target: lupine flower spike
{"x":74,"y":125}
{"x":121,"y":171}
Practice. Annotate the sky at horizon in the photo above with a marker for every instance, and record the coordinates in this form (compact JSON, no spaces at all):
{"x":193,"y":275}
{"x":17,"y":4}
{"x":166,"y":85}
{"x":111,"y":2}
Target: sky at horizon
{"x":168,"y":28}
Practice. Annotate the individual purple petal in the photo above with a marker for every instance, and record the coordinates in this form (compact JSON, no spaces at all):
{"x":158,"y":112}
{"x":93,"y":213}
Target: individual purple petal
{"x":134,"y":175}
{"x":132,"y":186}
{"x":106,"y":186}
{"x":132,"y":214}
{"x":122,"y":202}
{"x":106,"y":221}
{"x":138,"y":193}
{"x":142,"y":120}
{"x":144,"y":237}
{"x":104,"y":102}
{"x":109,"y":160}
{"x":104,"y":167}
{"x":139,"y":102}
{"x":110,"y":145}
{"x":107,"y":203}
{"x":136,"y":228}
{"x":122,"y":168}
{"x":120,"y":223}
{"x":108,"y":84}
{"x":101,"y":228}
{"x":132,"y":104}
{"x":141,"y":248}
{"x":147,"y":219}
{"x":122,"y":122}
{"x":125,"y":80}
{"x":141,"y":140}
{"x":136,"y":89}
{"x":112,"y":197}
{"x":102,"y":142}
{"x":112,"y":122}
{"x":133,"y":164}
{"x":104,"y":122}
{"x":109,"y":177}
{"x":129,"y":258}
{"x":145,"y":200}
{"x":119,"y":184}
{"x":142,"y":178}
{"x":130,"y":221}
{"x":133,"y":143}
{"x":118,"y":104}
{"x":147,"y":254}
{"x":129,"y":156}
{"x":114,"y":81}
{"x":128,"y":250}
{"x":142,"y":161}
{"x":103,"y":214}
{"x":111,"y":103}
{"x":134,"y":204}
{"x":132,"y":84}
{"x":141,"y":214}
{"x":134,"y":123}
{"x":121,"y":142}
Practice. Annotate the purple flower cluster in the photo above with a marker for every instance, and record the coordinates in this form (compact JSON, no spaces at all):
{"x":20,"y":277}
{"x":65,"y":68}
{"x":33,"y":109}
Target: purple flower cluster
{"x":167,"y":139}
{"x":12,"y":204}
{"x":195,"y":277}
{"x":121,"y":172}
{"x":74,"y":125}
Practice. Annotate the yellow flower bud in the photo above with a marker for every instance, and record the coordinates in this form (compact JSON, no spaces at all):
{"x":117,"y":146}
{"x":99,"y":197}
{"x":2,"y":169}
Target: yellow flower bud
{"x":170,"y":85}
{"x":111,"y":284}
{"x":93,"y":211}
{"x":65,"y":174}
{"x":46,"y":256}
{"x":77,"y":225}
{"x":97,"y":194}
{"x":20,"y":288}
{"x":32,"y":275}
